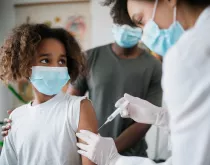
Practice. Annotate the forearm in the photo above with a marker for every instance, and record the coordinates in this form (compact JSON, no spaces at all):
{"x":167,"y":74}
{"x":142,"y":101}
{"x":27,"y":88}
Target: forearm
{"x":131,"y":136}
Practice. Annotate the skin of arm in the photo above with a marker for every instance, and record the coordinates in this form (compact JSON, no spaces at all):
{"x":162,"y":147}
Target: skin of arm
{"x":87,"y":121}
{"x":131,"y":136}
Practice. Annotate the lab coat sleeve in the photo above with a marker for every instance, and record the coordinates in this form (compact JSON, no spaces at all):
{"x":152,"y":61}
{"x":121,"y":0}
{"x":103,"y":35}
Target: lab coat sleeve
{"x":162,"y":120}
{"x":123,"y":160}
{"x":8,"y":154}
{"x":186,"y":86}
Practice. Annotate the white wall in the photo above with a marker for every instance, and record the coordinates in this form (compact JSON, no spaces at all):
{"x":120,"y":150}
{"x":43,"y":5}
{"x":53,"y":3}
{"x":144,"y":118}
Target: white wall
{"x":7,"y":17}
{"x":101,"y":24}
{"x":7,"y":21}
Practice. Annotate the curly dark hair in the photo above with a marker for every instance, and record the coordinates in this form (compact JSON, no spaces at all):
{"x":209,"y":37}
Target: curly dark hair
{"x":120,"y":15}
{"x":16,"y":54}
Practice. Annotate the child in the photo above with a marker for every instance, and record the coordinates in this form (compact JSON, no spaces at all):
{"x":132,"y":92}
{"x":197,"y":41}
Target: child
{"x":43,"y":131}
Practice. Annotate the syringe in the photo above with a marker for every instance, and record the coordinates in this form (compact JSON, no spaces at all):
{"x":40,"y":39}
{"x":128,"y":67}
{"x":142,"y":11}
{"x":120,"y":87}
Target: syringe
{"x":115,"y":113}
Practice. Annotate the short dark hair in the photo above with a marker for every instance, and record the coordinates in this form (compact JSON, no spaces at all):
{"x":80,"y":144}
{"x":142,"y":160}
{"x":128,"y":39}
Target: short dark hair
{"x":120,"y":15}
{"x":119,"y":11}
{"x":16,"y":55}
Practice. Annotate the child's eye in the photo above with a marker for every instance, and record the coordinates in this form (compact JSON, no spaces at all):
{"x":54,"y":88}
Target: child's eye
{"x":62,"y":62}
{"x":44,"y":61}
{"x":138,"y":22}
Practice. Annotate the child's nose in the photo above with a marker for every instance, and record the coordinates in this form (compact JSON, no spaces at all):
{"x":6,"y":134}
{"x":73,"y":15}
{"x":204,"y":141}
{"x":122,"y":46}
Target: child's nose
{"x":55,"y":64}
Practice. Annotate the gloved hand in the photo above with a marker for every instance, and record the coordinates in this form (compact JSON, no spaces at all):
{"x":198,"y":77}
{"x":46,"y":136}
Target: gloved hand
{"x":142,"y":111}
{"x":99,"y":150}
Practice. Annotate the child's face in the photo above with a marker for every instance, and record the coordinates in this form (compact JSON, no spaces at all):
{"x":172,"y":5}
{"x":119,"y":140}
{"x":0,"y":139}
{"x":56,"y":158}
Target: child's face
{"x":51,"y":53}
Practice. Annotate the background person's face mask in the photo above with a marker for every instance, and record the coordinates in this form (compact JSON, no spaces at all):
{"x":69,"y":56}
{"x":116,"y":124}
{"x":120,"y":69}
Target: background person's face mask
{"x":126,"y":36}
{"x":160,"y":40}
{"x":49,"y":80}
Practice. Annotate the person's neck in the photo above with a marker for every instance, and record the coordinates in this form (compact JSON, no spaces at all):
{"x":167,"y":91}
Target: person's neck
{"x":40,"y":98}
{"x":188,"y":15}
{"x":125,"y":52}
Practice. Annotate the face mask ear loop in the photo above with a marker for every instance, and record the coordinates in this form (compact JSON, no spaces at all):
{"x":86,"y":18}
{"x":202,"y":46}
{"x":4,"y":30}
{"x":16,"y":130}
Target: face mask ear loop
{"x":175,"y":12}
{"x":154,"y":10}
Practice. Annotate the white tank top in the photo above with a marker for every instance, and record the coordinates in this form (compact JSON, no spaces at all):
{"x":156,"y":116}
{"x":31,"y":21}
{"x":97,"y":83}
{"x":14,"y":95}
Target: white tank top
{"x":44,"y":134}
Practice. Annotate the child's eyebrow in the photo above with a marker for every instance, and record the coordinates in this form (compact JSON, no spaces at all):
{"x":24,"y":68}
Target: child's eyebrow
{"x":44,"y":55}
{"x":49,"y":54}
{"x":63,"y":56}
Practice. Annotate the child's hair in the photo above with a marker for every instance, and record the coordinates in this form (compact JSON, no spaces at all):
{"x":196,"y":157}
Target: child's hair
{"x":19,"y":49}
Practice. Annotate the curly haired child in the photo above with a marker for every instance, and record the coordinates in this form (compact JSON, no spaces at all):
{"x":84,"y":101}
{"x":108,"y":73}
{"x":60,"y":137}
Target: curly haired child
{"x":43,"y":131}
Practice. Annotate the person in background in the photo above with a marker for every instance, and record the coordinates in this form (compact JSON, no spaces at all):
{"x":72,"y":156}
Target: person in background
{"x":118,"y":68}
{"x":43,"y":131}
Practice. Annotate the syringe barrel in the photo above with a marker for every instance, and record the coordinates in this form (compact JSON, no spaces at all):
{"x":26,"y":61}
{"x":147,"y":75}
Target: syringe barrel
{"x":117,"y":111}
{"x":114,"y":114}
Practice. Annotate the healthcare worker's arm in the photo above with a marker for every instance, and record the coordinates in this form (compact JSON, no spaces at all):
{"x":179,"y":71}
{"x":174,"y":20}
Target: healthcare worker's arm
{"x":186,"y":86}
{"x":143,"y":111}
{"x":103,"y":151}
{"x":146,"y":111}
{"x":87,"y":121}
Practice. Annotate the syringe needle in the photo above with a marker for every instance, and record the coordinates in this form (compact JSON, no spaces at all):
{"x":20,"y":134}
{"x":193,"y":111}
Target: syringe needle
{"x":101,"y":126}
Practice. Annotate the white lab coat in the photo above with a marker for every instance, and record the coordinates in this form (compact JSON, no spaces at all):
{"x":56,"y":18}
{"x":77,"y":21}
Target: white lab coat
{"x":186,"y":86}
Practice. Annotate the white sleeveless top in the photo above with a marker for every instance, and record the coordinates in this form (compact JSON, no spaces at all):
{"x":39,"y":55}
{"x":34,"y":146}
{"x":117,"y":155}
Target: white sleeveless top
{"x":44,"y":134}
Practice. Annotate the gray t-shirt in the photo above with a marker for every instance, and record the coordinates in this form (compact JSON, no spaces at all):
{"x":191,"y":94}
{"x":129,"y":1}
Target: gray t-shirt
{"x":110,"y":77}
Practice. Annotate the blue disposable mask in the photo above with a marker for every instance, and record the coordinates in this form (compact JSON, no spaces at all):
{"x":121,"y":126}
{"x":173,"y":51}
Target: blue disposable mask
{"x":161,"y":40}
{"x":49,"y":80}
{"x":126,"y":36}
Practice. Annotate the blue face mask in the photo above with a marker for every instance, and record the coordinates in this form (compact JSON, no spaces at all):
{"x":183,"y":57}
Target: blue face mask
{"x":160,"y":40}
{"x":126,"y":36}
{"x":49,"y":80}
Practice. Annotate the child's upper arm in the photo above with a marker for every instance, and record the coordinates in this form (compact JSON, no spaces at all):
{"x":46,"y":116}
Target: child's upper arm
{"x":87,"y":121}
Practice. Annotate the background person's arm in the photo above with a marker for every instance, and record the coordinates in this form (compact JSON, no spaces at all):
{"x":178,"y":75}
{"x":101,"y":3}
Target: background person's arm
{"x":87,"y":121}
{"x":137,"y":131}
{"x":131,"y":136}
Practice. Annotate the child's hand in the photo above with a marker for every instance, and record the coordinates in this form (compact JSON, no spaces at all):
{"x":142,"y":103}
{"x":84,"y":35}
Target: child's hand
{"x":7,"y":127}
